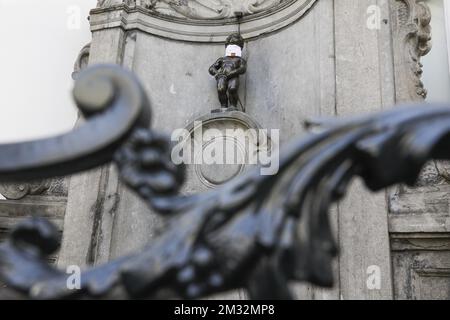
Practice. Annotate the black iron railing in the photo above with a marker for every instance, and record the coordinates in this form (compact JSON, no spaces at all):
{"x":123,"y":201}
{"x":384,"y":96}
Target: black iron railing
{"x":242,"y":235}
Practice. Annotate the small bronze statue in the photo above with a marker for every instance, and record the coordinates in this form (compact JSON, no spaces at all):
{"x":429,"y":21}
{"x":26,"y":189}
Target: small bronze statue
{"x":227,"y":70}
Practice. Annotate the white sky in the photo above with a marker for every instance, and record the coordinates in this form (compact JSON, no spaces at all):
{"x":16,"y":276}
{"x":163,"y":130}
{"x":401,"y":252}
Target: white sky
{"x":40,"y":42}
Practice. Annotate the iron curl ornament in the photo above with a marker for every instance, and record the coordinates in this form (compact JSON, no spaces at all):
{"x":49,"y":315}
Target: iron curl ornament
{"x":255,"y":232}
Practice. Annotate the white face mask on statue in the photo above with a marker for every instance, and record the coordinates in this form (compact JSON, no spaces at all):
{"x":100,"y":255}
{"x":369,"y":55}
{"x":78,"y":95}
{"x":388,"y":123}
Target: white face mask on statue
{"x":233,"y":51}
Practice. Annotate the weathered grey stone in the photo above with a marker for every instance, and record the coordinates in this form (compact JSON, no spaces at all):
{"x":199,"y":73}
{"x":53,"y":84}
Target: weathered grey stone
{"x":206,"y":9}
{"x":419,"y":216}
{"x":412,"y":40}
{"x":47,"y":198}
{"x":234,"y":134}
{"x":84,"y":241}
{"x":129,"y":16}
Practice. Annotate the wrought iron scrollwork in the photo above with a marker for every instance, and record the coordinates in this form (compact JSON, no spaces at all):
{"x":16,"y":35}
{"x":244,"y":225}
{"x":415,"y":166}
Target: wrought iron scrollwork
{"x":255,"y":232}
{"x":113,"y":103}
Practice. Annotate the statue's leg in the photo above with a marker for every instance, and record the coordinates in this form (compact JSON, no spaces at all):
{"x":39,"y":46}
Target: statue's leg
{"x":222,"y":86}
{"x":233,"y":87}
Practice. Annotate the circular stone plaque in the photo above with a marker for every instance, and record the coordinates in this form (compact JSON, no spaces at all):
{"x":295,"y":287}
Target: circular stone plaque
{"x":221,"y":146}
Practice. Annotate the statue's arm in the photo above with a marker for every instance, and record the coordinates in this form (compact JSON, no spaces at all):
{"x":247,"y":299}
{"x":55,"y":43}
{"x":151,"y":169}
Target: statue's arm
{"x":214,"y":69}
{"x":239,"y":70}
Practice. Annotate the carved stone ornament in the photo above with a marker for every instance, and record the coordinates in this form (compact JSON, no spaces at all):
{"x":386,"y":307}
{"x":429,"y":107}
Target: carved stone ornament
{"x":229,"y":131}
{"x":257,"y":232}
{"x":227,"y":69}
{"x":412,"y":38}
{"x":82,"y":60}
{"x":202,"y":9}
{"x":42,"y":187}
{"x":199,"y":20}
